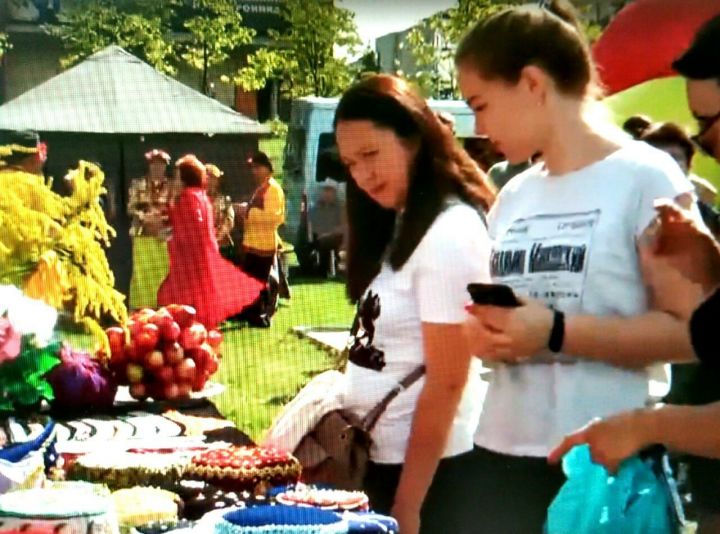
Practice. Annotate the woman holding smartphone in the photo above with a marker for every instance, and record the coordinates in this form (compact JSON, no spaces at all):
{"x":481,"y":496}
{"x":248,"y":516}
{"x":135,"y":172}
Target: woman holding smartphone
{"x":565,"y":237}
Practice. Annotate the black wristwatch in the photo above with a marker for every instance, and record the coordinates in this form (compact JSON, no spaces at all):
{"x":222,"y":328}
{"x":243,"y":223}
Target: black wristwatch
{"x":557,"y":332}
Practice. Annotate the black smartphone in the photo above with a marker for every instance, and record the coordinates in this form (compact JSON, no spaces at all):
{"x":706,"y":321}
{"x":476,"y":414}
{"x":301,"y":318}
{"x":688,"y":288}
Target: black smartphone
{"x":493,"y":295}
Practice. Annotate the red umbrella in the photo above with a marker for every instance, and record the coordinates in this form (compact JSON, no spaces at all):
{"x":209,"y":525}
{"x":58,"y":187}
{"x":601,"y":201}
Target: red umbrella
{"x":644,"y":38}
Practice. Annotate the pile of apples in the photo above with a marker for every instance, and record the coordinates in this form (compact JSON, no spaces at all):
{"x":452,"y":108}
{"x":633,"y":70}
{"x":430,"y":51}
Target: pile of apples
{"x":164,"y":354}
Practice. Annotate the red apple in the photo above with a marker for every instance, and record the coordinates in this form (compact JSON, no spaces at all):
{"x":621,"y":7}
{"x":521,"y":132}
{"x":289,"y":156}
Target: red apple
{"x":154,"y":359}
{"x":116,"y":339}
{"x":134,"y":373}
{"x":131,"y":352}
{"x":165,"y":374}
{"x":214,"y":338}
{"x":143,"y":315}
{"x":147,"y":338}
{"x":170,"y":331}
{"x":134,"y":327}
{"x":161,"y":317}
{"x":212,"y":365}
{"x":138,"y":391}
{"x":183,"y":314}
{"x":193,"y":336}
{"x":198,"y":384}
{"x":174,"y":354}
{"x":202,"y":355}
{"x":171,"y":391}
{"x":185,"y":370}
{"x":184,"y":389}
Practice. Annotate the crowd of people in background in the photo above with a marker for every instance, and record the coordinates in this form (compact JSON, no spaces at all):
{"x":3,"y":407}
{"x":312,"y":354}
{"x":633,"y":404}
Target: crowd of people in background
{"x":182,"y":233}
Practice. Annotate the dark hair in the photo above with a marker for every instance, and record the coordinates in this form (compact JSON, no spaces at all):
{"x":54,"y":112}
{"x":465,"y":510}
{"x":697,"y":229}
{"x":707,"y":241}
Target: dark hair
{"x":502,"y":45}
{"x":700,"y":60}
{"x":636,"y":125}
{"x":260,"y":158}
{"x":192,"y":171}
{"x":662,"y":134}
{"x":441,"y":170}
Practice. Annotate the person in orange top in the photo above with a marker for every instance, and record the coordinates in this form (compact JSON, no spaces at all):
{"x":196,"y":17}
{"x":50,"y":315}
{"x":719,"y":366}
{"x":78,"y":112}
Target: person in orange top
{"x":261,"y":217}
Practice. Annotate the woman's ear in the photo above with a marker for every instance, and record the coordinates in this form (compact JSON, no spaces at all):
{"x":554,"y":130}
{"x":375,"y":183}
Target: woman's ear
{"x":535,"y":81}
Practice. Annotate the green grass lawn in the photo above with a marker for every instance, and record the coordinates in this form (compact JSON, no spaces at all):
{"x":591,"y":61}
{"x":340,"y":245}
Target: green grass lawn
{"x":262,"y":369}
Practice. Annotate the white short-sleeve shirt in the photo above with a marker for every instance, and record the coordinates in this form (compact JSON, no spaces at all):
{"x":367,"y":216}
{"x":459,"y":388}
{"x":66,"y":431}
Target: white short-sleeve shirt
{"x":570,"y":241}
{"x":429,"y":288}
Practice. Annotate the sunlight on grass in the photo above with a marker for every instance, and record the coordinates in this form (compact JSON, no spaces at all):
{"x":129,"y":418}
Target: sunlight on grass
{"x":262,"y":369}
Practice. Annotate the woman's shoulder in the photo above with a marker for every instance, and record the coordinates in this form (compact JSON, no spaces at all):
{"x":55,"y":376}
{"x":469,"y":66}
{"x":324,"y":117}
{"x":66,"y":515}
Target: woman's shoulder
{"x":650,"y":167}
{"x":456,"y":216}
{"x":458,"y":225}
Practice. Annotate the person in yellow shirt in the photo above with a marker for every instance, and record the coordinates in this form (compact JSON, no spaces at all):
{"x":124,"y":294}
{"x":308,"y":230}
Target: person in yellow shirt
{"x":262,"y":216}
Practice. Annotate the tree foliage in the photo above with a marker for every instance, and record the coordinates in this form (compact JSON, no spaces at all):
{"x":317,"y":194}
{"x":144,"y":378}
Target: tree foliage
{"x":214,"y":31}
{"x":304,"y":56}
{"x":138,"y":26}
{"x":368,"y":63}
{"x":433,"y":43}
{"x":211,"y":30}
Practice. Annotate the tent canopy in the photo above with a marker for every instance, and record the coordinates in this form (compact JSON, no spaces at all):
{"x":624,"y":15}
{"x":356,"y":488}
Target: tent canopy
{"x":113,"y":92}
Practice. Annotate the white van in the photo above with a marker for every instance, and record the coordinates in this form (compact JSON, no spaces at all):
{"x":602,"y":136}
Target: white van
{"x":310,"y":133}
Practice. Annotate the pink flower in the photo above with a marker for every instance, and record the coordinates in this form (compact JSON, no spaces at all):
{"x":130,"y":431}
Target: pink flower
{"x":9,"y":341}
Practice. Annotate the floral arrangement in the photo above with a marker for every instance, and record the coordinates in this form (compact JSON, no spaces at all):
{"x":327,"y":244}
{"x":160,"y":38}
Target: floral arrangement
{"x":53,"y":246}
{"x":26,"y":353}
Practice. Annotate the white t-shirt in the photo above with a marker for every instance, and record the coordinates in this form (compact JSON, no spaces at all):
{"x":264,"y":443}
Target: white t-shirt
{"x":430,"y":288}
{"x":570,"y":241}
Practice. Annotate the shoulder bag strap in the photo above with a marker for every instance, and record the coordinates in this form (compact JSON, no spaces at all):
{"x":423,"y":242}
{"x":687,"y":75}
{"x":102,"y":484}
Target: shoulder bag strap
{"x":371,"y":419}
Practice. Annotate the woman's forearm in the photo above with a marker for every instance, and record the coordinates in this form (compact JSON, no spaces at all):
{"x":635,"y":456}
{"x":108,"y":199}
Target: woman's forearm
{"x":633,"y":342}
{"x":434,"y":414}
{"x":447,"y":361}
{"x":691,"y":430}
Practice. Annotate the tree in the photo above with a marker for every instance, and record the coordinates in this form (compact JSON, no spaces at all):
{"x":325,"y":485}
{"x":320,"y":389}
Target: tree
{"x":368,"y":63}
{"x":434,"y":73}
{"x":138,"y":26}
{"x":433,"y":42}
{"x":304,"y":59}
{"x":214,"y":32}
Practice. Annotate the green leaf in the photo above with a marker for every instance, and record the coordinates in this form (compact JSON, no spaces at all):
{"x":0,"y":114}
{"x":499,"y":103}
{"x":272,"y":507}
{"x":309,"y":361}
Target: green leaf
{"x":136,"y":25}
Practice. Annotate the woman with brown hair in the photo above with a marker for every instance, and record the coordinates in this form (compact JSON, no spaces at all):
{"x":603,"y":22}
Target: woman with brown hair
{"x":199,"y":276}
{"x":416,"y":239}
{"x":565,"y":236}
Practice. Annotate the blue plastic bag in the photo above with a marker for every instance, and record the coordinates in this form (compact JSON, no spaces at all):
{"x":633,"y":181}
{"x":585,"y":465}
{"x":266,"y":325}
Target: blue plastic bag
{"x":637,"y":500}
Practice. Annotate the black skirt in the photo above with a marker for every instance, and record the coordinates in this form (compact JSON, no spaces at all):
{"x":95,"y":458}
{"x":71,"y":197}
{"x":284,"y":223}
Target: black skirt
{"x":446,"y":506}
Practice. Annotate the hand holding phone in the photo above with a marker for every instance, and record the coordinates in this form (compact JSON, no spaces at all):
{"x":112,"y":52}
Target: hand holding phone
{"x":493,"y":295}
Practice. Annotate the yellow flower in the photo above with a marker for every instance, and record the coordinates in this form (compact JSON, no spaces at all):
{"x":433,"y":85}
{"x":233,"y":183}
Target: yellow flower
{"x":48,"y":282}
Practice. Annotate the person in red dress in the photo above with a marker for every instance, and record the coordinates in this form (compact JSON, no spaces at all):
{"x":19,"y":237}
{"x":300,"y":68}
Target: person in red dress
{"x":199,"y":276}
